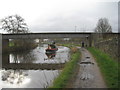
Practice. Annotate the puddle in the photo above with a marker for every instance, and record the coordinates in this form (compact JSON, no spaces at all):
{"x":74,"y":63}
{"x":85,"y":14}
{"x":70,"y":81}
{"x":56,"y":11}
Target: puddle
{"x":84,"y":62}
{"x":87,"y":57}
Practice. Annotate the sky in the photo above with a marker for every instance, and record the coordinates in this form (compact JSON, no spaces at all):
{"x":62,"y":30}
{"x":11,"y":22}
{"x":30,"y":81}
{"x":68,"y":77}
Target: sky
{"x":61,"y":15}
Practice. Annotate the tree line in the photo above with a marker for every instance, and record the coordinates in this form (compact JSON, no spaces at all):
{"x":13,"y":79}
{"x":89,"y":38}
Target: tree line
{"x":16,"y":24}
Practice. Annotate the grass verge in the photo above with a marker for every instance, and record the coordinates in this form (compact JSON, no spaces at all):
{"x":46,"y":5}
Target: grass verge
{"x":67,"y":72}
{"x":108,"y":67}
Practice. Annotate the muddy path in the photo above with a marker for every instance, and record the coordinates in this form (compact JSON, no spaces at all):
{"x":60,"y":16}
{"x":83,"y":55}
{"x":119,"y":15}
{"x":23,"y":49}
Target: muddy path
{"x":89,"y":75}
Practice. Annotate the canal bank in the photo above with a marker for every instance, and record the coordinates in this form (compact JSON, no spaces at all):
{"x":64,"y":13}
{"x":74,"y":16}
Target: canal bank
{"x":69,"y":71}
{"x":108,"y":66}
{"x":95,"y":69}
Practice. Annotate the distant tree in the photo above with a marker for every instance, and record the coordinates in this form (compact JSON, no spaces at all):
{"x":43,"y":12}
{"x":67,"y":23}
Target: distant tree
{"x":14,"y":24}
{"x":103,"y":26}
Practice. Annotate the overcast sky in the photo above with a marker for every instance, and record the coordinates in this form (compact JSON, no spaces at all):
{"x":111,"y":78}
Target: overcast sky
{"x":61,"y":15}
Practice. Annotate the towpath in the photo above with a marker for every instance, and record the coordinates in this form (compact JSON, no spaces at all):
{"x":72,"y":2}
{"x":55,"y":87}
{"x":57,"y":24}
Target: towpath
{"x":89,"y":75}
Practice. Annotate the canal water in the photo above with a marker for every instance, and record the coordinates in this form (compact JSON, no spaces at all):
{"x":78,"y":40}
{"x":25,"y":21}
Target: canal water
{"x":32,"y":78}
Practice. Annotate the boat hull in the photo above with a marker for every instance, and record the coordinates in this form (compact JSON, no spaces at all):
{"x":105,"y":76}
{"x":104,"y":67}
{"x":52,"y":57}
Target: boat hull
{"x":51,"y":50}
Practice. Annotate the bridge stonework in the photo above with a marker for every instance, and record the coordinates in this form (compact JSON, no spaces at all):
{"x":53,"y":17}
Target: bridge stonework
{"x":5,"y":45}
{"x":44,"y":35}
{"x":6,"y":37}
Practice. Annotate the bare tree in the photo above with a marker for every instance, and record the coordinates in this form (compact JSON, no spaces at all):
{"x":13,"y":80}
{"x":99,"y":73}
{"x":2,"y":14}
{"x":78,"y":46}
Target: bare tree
{"x":14,"y":24}
{"x":103,"y":26}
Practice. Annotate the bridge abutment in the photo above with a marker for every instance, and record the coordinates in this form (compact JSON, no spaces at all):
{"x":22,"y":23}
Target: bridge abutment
{"x":90,"y":41}
{"x":5,"y":45}
{"x":5,"y":60}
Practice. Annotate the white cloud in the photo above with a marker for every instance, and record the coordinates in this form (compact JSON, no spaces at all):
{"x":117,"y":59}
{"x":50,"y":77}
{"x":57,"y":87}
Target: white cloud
{"x":41,"y":15}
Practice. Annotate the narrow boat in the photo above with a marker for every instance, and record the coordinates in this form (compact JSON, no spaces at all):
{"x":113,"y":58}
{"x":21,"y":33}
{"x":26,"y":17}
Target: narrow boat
{"x":51,"y":48}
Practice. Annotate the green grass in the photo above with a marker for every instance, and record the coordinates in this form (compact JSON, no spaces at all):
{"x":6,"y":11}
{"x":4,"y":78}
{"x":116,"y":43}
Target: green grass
{"x":11,"y":44}
{"x":108,"y":67}
{"x":62,"y":80}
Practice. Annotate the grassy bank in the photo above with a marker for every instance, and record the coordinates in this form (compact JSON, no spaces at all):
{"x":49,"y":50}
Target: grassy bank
{"x":62,"y":80}
{"x":108,"y":67}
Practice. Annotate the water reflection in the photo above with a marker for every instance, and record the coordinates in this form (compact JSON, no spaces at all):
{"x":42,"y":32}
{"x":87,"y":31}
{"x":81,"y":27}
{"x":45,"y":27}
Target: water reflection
{"x":20,"y":57}
{"x":51,"y":55}
{"x":38,"y":55}
{"x":27,"y":78}
{"x":33,"y":69}
{"x":14,"y":76}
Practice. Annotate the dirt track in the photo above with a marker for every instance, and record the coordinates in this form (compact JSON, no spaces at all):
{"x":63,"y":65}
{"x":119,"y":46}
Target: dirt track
{"x":89,"y":75}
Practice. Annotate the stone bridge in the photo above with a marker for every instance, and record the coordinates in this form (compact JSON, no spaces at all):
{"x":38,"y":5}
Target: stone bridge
{"x":6,"y":37}
{"x":45,"y":35}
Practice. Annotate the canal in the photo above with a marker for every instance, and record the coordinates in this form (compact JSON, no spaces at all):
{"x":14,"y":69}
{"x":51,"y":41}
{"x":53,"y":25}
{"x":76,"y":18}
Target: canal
{"x":32,"y":77}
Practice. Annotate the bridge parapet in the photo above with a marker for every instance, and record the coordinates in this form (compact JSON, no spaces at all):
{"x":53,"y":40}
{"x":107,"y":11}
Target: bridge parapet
{"x":6,"y":37}
{"x":44,"y":35}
